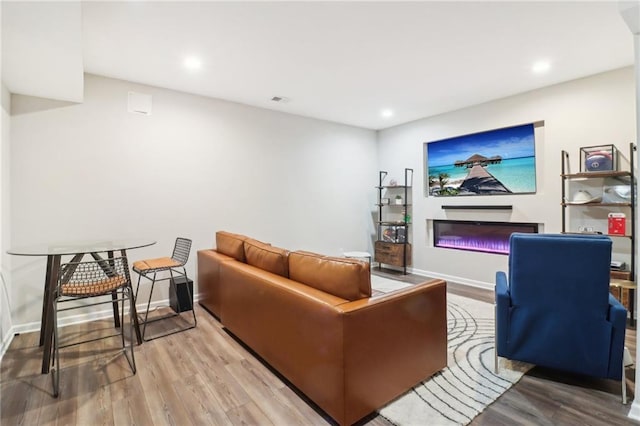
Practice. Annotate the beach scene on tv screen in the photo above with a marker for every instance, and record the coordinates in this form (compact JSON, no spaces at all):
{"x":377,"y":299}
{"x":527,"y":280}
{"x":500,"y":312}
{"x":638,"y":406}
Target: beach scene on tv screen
{"x":496,"y":162}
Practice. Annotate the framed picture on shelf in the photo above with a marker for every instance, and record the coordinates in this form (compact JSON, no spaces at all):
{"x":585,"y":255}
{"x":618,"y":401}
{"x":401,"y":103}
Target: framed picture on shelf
{"x":601,"y":158}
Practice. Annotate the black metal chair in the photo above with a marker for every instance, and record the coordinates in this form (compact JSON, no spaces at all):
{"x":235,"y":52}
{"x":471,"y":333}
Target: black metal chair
{"x":82,"y":280}
{"x":175,"y":266}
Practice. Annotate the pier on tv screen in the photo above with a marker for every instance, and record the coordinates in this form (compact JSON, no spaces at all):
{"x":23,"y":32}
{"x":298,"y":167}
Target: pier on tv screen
{"x":496,"y":162}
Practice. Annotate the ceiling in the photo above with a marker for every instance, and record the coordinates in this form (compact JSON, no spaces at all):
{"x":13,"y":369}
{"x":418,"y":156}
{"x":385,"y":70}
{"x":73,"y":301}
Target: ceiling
{"x":338,"y":61}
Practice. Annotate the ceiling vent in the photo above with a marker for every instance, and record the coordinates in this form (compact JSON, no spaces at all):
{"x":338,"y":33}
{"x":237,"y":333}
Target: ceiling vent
{"x":280,"y":99}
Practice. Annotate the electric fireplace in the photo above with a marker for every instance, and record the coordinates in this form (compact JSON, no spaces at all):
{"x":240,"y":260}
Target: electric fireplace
{"x":488,"y":237}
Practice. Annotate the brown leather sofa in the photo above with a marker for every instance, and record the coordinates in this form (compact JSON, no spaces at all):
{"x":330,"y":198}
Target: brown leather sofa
{"x":313,"y":319}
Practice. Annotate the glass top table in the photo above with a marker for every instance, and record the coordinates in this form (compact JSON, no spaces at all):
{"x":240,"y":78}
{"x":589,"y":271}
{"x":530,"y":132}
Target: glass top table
{"x":54,"y":253}
{"x":79,"y":247}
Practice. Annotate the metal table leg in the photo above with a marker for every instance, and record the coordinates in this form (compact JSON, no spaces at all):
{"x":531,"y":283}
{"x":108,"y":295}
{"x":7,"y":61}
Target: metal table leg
{"x":134,"y":314}
{"x":50,"y":284}
{"x":45,"y":299}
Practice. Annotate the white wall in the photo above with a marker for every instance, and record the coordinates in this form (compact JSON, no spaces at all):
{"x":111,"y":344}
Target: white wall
{"x":590,"y":111}
{"x":195,"y":166}
{"x":5,"y":260}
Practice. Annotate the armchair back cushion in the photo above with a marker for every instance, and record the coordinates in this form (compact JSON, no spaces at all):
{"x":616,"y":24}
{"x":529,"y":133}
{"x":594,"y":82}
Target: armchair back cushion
{"x":572,"y":263}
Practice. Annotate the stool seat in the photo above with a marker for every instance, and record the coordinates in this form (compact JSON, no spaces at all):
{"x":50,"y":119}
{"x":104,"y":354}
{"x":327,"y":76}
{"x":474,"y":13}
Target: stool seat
{"x":93,"y":287}
{"x":614,"y":282}
{"x":157,"y":264}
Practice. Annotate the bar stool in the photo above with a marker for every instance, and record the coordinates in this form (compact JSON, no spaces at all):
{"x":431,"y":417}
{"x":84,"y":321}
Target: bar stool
{"x":83,"y":280}
{"x":175,"y":266}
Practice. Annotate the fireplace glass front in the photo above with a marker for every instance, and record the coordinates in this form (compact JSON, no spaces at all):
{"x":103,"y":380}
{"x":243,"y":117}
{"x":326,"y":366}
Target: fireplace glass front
{"x":488,"y":237}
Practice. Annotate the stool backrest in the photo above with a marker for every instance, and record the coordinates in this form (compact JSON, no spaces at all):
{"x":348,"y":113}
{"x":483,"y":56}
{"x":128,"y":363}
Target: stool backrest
{"x":93,"y":278}
{"x":181,"y":250}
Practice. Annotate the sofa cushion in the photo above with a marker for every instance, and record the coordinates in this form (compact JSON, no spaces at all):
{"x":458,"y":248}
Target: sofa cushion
{"x":231,"y":245}
{"x":267,"y":257}
{"x":346,"y":278}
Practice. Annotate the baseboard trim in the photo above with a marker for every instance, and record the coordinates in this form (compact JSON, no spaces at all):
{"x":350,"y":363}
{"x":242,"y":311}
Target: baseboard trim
{"x":87,"y":317}
{"x":634,"y":413}
{"x":457,"y":280}
{"x":6,"y":342}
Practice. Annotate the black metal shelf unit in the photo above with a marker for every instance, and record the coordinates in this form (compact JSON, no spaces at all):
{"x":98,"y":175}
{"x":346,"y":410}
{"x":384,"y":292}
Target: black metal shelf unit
{"x":592,"y":179}
{"x":393,"y":245}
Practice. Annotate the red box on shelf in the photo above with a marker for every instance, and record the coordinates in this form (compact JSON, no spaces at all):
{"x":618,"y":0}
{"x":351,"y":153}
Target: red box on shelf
{"x":617,"y":224}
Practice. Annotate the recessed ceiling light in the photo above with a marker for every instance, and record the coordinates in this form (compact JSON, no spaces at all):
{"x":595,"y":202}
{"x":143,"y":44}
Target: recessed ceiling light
{"x":386,"y":113}
{"x":192,"y":63}
{"x":541,"y":67}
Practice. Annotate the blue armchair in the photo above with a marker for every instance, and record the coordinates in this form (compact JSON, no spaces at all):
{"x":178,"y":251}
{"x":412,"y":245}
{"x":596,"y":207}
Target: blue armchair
{"x":555,"y":310}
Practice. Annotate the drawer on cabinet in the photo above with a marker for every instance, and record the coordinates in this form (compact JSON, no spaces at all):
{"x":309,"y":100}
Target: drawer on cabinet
{"x":391,"y":253}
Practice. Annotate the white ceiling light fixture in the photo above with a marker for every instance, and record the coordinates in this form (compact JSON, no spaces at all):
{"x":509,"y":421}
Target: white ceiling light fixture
{"x":386,"y":113}
{"x":192,"y":63}
{"x":541,"y":67}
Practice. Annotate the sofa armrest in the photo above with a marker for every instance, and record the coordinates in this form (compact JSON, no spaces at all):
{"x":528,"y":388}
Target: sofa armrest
{"x":503,"y":304}
{"x":618,"y":318}
{"x":209,"y":279}
{"x":391,"y":344}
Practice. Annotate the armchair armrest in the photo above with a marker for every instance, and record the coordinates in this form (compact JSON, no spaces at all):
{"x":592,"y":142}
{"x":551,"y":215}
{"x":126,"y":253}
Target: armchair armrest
{"x":502,"y":286}
{"x":617,"y":316}
{"x":503,"y":303}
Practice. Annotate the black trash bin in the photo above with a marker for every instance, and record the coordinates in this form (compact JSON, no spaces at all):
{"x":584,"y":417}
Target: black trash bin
{"x":181,"y":302}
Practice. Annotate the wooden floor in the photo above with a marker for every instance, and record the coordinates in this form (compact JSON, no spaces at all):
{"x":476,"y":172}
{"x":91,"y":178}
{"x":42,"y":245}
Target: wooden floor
{"x":205,"y":376}
{"x":547,"y":397}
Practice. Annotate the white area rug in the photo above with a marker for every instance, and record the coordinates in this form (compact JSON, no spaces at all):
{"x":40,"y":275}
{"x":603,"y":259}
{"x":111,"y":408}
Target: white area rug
{"x":458,"y":393}
{"x":385,"y":285}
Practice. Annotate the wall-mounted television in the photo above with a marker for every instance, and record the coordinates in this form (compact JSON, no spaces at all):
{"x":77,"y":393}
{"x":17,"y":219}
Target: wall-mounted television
{"x":495,"y":162}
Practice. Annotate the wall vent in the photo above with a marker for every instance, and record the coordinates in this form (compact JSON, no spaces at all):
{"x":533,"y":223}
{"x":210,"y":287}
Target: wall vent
{"x":139,"y":103}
